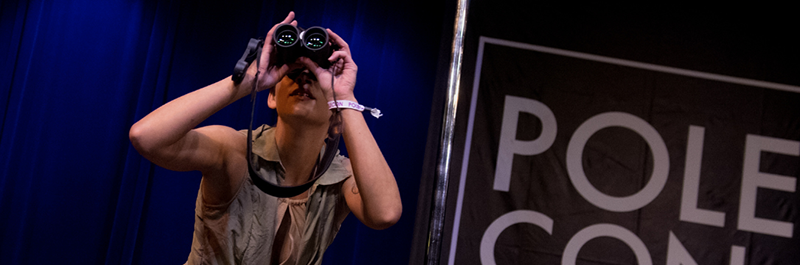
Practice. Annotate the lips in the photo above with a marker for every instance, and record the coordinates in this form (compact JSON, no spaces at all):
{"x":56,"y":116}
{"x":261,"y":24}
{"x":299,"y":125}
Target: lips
{"x":301,"y":92}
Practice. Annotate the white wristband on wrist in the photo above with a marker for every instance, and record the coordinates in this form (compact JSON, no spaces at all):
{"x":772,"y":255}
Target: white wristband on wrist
{"x":353,"y":105}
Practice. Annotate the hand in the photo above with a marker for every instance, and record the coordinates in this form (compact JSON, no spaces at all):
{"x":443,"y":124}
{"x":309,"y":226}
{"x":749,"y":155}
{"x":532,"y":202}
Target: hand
{"x":344,"y":71}
{"x":271,"y":74}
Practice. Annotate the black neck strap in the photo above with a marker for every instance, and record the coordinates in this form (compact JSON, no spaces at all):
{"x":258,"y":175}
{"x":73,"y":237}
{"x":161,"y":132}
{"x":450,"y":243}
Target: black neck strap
{"x":253,"y":167}
{"x":331,"y":145}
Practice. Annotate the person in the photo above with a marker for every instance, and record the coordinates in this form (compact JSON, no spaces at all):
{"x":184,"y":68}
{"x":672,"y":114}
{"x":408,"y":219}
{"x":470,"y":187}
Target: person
{"x":235,"y":222}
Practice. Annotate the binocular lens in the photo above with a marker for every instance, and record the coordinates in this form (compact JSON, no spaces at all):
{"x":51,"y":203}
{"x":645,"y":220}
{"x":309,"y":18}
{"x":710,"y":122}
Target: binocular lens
{"x":286,"y":38}
{"x":315,"y":38}
{"x":315,"y":41}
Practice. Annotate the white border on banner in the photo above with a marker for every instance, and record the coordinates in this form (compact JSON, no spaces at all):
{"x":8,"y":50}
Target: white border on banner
{"x":579,"y":55}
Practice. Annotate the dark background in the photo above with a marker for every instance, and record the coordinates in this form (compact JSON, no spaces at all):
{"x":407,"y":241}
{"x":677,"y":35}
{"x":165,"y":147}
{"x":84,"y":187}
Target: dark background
{"x":77,"y":74}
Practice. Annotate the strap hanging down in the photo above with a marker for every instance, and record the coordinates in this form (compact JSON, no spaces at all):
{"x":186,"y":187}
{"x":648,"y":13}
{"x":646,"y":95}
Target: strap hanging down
{"x":253,"y":167}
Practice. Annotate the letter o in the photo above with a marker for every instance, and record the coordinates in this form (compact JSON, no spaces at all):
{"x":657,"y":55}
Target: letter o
{"x":587,"y":190}
{"x":578,"y":240}
{"x":501,"y":223}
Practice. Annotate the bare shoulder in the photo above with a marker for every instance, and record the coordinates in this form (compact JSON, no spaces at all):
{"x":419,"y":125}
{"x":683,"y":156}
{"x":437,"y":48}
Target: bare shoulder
{"x":225,"y":138}
{"x":210,"y":148}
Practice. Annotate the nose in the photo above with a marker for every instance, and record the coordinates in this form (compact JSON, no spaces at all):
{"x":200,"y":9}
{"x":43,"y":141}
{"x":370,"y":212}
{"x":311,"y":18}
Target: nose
{"x":304,"y":77}
{"x":301,"y":79}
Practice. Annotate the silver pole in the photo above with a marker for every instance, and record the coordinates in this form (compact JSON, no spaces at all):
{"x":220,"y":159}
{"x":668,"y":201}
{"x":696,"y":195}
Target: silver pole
{"x":446,"y":139}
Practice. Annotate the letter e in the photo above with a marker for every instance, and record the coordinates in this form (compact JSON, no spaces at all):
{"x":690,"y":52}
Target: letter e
{"x":752,"y":179}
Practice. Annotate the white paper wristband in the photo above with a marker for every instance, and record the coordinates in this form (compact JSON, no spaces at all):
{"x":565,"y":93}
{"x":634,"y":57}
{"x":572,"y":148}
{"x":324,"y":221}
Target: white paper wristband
{"x":353,"y":105}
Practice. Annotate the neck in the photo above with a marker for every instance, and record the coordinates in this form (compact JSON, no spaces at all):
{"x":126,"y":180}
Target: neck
{"x":298,"y":148}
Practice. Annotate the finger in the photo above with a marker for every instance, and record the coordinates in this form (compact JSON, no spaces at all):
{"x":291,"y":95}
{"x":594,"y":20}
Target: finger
{"x":310,"y":64}
{"x":267,"y":47}
{"x":268,"y":50}
{"x":282,"y":71}
{"x":343,"y":55}
{"x":338,"y":40}
{"x":288,"y":20}
{"x":289,"y":17}
{"x":338,"y":67}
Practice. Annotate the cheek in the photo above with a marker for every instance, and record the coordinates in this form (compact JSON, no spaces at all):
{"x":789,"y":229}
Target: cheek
{"x":284,"y":83}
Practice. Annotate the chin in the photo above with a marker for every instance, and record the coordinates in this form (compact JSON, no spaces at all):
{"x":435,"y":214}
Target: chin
{"x":305,"y":117}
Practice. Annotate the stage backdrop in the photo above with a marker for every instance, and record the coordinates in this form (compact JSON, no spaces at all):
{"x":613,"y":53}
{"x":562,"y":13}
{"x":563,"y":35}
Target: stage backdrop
{"x":75,"y":75}
{"x":605,"y":135}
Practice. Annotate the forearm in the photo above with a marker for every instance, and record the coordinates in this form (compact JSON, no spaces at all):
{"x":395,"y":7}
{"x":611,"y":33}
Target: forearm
{"x":376,"y":184}
{"x":170,"y":122}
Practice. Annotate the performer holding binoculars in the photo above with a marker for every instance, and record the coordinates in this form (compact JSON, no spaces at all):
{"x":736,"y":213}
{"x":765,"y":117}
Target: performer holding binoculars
{"x":235,"y":222}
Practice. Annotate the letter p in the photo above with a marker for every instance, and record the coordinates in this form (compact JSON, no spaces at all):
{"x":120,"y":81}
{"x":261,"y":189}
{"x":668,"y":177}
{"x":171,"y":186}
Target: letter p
{"x":509,"y":145}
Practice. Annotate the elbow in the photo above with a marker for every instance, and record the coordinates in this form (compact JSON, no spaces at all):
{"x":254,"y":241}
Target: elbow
{"x":387,"y":218}
{"x":138,"y":137}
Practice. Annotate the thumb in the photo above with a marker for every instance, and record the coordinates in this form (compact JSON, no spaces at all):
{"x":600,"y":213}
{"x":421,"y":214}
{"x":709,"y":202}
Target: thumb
{"x":310,"y":64}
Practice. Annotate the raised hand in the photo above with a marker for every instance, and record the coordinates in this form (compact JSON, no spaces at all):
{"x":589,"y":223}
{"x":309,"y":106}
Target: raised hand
{"x":271,"y":74}
{"x":344,"y":71}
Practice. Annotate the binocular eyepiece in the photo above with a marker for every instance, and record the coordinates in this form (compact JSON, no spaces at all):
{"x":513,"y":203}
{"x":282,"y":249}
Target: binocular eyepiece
{"x":291,"y":42}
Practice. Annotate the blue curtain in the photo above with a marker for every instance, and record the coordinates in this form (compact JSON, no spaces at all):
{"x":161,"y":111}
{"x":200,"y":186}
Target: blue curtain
{"x":77,"y":74}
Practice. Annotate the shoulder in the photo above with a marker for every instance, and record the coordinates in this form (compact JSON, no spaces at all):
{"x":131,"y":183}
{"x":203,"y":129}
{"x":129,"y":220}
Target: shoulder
{"x":222,"y":132}
{"x":226,"y":140}
{"x":339,"y":171}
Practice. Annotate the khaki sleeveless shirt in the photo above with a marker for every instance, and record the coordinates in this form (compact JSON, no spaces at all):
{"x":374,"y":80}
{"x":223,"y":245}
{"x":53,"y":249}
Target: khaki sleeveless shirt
{"x":242,"y":230}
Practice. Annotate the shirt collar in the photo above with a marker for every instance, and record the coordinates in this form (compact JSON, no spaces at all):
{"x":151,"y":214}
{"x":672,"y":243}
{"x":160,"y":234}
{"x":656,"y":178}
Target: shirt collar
{"x":265,"y":145}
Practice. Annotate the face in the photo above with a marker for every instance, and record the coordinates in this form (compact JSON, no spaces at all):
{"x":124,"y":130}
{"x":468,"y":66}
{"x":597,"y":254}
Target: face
{"x":299,"y":98}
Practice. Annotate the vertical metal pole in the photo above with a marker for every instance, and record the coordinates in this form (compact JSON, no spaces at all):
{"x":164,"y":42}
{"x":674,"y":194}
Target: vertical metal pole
{"x":446,"y":140}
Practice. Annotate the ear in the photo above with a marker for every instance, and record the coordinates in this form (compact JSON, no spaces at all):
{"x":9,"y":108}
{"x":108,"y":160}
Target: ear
{"x":271,"y":99}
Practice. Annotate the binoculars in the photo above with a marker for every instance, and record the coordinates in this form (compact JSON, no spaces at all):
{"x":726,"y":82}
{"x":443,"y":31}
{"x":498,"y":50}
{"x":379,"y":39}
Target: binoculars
{"x":291,"y":42}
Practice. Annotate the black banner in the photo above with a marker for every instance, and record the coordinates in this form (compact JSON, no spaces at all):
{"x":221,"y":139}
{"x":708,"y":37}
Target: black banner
{"x":572,"y":157}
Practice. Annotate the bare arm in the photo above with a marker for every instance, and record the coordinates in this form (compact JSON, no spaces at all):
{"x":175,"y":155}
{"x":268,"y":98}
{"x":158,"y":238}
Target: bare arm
{"x":372,"y":194}
{"x":167,"y":136}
